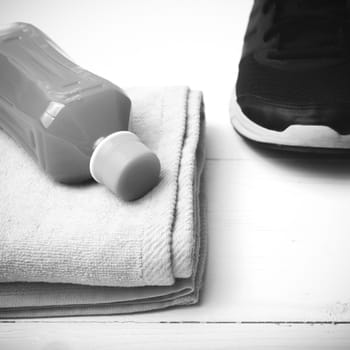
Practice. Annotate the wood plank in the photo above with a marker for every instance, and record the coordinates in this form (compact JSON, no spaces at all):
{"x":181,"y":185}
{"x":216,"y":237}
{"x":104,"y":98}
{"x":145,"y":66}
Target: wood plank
{"x":107,"y":336}
{"x":279,"y":244}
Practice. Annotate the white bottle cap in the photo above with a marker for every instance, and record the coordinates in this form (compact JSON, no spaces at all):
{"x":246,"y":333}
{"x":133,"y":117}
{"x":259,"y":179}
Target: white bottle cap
{"x":125,"y":165}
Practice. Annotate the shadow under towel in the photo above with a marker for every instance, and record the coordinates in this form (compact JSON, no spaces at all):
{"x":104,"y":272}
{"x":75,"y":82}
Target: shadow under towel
{"x":79,"y":250}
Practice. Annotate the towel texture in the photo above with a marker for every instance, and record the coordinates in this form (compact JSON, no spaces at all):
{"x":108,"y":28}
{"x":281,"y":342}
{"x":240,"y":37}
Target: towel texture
{"x":73,"y":250}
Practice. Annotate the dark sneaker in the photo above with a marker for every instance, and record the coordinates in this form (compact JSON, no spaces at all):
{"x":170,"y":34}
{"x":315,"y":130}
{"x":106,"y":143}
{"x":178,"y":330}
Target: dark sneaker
{"x":293,"y":86}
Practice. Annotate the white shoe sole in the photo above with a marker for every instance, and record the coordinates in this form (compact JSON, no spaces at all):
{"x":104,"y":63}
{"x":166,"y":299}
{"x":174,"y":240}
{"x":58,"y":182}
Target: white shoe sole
{"x":308,"y":136}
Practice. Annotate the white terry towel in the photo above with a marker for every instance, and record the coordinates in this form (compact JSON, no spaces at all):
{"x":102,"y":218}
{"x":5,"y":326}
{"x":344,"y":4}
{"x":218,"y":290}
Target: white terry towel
{"x":75,"y":250}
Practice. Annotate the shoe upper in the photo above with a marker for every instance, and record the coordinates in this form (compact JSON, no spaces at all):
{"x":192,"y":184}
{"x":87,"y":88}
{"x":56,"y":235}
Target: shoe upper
{"x":295,"y":66}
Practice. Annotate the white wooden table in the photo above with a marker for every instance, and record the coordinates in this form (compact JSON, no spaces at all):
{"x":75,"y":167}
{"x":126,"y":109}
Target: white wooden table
{"x":279,"y":224}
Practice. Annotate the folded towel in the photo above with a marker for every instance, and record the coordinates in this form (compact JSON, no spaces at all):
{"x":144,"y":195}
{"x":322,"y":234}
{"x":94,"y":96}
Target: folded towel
{"x":74,"y":250}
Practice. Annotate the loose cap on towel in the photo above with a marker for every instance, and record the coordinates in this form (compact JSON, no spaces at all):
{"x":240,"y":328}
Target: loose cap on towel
{"x":125,"y":165}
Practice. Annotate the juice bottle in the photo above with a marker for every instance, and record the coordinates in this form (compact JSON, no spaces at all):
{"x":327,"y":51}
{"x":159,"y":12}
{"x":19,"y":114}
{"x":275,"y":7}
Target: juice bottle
{"x":74,"y":123}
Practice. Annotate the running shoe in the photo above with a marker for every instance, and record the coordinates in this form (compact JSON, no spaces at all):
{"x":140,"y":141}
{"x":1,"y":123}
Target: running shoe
{"x":293,"y":86}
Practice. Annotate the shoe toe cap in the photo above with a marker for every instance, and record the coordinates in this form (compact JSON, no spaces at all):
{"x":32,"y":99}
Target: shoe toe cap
{"x":279,"y":116}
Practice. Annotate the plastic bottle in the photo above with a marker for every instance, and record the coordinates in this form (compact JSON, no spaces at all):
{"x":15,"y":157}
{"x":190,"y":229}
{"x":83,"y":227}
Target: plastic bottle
{"x":71,"y":121}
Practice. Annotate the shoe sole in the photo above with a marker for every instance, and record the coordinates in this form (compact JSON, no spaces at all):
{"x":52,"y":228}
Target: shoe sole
{"x":308,"y":137}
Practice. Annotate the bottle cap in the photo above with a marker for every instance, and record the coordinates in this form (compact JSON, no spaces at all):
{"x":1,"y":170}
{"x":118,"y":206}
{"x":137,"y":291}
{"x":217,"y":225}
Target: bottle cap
{"x":125,"y":165}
